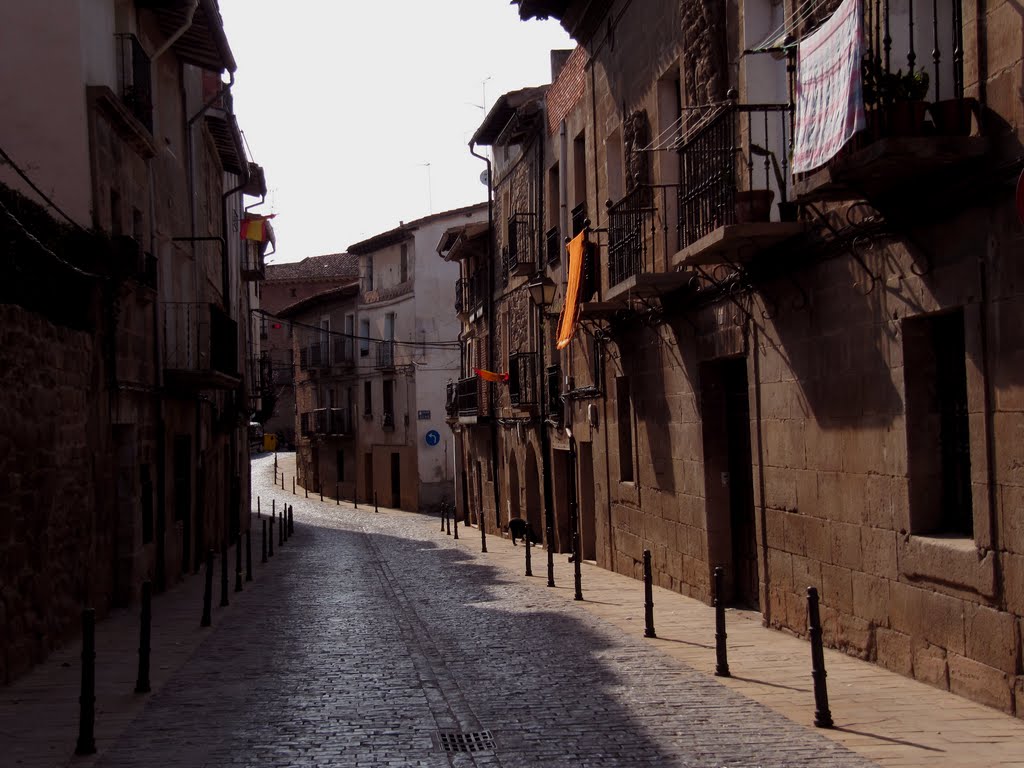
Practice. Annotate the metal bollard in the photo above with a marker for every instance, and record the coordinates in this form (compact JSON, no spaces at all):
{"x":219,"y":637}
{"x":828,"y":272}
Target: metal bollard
{"x":721,"y":652}
{"x":280,"y":530}
{"x":270,"y":540}
{"x":321,"y":491}
{"x":208,"y":591}
{"x":822,"y":714}
{"x":456,"y":521}
{"x":275,"y":462}
{"x":529,"y":568}
{"x":248,"y":554}
{"x":238,"y":564}
{"x":648,"y":597}
{"x":551,"y":558}
{"x":273,"y":507}
{"x":306,"y":491}
{"x":258,"y":515}
{"x":263,"y":544}
{"x":145,"y":627}
{"x":448,"y":520}
{"x":483,"y":533}
{"x":282,"y":480}
{"x":375,"y":502}
{"x":293,"y":486}
{"x":87,"y":699}
{"x":291,"y":519}
{"x":224,"y":573}
{"x":444,"y":514}
{"x":337,"y":496}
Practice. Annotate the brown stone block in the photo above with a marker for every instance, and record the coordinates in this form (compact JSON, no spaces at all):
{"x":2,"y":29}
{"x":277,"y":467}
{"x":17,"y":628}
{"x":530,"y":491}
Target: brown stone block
{"x":906,"y":608}
{"x":796,"y":540}
{"x":1002,"y":95}
{"x":780,"y":488}
{"x":930,"y":664}
{"x":844,"y":546}
{"x":780,"y":569}
{"x":837,"y":587}
{"x":878,"y":552}
{"x":980,"y":682}
{"x":1004,"y":42}
{"x":806,"y":573}
{"x":882,"y":501}
{"x":856,"y":635}
{"x":955,"y":566}
{"x":824,"y":448}
{"x":807,"y":492}
{"x":775,"y":528}
{"x":892,"y":651}
{"x":796,"y":612}
{"x":871,"y":598}
{"x":784,"y":444}
{"x":1013,"y":582}
{"x":991,"y":637}
{"x":776,"y":606}
{"x":943,"y":621}
{"x":1009,"y":434}
{"x":1018,"y":696}
{"x":817,"y":537}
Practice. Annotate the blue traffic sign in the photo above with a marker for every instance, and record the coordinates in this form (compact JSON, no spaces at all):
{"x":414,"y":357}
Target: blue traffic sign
{"x":433,"y":437}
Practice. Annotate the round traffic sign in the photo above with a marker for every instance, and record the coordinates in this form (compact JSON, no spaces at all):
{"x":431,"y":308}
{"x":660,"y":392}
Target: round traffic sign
{"x":433,"y":437}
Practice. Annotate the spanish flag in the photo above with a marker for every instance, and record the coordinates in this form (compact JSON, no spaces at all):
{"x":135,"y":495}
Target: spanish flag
{"x":491,"y":376}
{"x":577,"y":247}
{"x":255,"y":228}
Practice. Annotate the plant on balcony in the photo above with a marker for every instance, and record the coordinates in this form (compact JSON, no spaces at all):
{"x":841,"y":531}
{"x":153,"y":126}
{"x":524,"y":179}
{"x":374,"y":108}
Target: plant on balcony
{"x":787,"y":210}
{"x":897,"y":100}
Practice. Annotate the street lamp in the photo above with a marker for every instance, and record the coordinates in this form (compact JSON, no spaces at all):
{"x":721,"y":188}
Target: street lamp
{"x":542,"y":293}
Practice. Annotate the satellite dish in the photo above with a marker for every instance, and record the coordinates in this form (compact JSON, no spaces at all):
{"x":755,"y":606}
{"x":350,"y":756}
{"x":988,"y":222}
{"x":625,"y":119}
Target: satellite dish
{"x":484,"y":178}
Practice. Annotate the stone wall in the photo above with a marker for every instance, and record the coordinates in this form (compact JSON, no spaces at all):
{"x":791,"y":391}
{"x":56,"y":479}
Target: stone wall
{"x":56,"y":553}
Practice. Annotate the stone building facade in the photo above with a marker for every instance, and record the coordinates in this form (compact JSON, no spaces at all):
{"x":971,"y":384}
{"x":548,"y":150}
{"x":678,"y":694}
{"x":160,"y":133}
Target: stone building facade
{"x":286,"y":285}
{"x":807,"y":380}
{"x":126,"y":308}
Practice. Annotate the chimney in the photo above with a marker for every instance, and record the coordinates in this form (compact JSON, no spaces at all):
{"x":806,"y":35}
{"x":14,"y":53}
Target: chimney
{"x":558,"y":59}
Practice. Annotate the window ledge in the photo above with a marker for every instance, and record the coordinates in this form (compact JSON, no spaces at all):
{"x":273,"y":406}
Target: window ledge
{"x":953,"y":564}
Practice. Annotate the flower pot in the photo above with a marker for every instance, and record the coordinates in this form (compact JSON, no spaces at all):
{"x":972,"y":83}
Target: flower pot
{"x":754,"y":205}
{"x":788,"y":211}
{"x":905,"y":118}
{"x":952,"y":117}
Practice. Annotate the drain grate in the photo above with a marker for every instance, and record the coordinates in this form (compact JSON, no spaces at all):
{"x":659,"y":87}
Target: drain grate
{"x":475,"y":741}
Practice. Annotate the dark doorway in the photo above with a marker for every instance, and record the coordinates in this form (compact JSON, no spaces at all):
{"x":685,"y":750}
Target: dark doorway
{"x":368,"y":474}
{"x":732,"y":538}
{"x":183,"y":495}
{"x":513,"y":487}
{"x":588,"y":516}
{"x":534,"y":510}
{"x":396,"y":480}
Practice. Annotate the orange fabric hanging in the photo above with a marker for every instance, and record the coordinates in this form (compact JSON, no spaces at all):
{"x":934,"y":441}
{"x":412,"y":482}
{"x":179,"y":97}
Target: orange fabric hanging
{"x":571,"y":309}
{"x":491,"y":376}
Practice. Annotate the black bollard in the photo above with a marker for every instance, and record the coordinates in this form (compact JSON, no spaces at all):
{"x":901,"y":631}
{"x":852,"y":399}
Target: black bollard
{"x":448,"y":520}
{"x":551,"y":559}
{"x":648,"y":597}
{"x":321,"y":491}
{"x":224,"y":573}
{"x":280,"y":530}
{"x":721,"y":652}
{"x":145,"y":624}
{"x":238,"y":564}
{"x":822,"y":714}
{"x":270,"y":539}
{"x":306,"y":491}
{"x":208,"y":591}
{"x":87,"y":700}
{"x":263,"y":544}
{"x":248,"y":554}
{"x":529,"y":568}
{"x":337,"y":496}
{"x":282,"y":481}
{"x":275,"y":462}
{"x":483,"y":533}
{"x":375,"y":502}
{"x":291,"y":519}
{"x":456,"y":522}
{"x":444,"y":514}
{"x":258,"y":515}
{"x":273,"y":507}
{"x":293,"y":486}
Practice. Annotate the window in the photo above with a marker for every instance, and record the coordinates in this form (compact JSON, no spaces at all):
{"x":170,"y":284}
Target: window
{"x":579,"y":169}
{"x":404,"y":266}
{"x":364,"y":338}
{"x":389,"y":326}
{"x":350,"y":331}
{"x":613,"y":162}
{"x":389,"y":402}
{"x":367,"y":399}
{"x":938,"y":425}
{"x":368,"y":274}
{"x":624,"y":408}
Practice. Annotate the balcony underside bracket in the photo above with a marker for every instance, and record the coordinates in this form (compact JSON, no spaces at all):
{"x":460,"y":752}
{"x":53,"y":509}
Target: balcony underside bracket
{"x":848,"y":244}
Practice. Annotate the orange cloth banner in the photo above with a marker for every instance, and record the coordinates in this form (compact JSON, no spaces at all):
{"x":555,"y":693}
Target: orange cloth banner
{"x":255,"y":228}
{"x":577,"y":247}
{"x":497,"y":378}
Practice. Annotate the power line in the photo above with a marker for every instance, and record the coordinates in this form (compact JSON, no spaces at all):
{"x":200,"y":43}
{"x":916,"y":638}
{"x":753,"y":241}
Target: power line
{"x":440,"y":345}
{"x":38,"y":191}
{"x":36,"y":241}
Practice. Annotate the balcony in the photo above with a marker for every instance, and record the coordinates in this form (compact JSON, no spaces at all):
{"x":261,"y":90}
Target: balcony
{"x":200,"y":346}
{"x":388,"y":421}
{"x":451,"y":400}
{"x":577,"y":217}
{"x":469,"y":393}
{"x":522,"y":247}
{"x":553,"y":392}
{"x":462,"y":297}
{"x":344,"y":353}
{"x":253,"y":264}
{"x":919,"y":125}
{"x":327,"y":422}
{"x":135,"y":79}
{"x":553,"y":246}
{"x":385,"y":355}
{"x":522,"y":379}
{"x":734,"y":165}
{"x":315,"y":356}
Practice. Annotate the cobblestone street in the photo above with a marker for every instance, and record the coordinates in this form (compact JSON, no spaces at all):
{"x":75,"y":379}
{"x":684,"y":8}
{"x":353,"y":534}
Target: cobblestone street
{"x":367,"y":639}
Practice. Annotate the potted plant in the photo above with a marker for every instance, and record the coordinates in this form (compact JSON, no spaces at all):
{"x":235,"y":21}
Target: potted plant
{"x":907,"y":107}
{"x":787,"y":210}
{"x":952,"y":117}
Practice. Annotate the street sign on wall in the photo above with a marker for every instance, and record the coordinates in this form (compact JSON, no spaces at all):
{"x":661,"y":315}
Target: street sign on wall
{"x":433,"y":437}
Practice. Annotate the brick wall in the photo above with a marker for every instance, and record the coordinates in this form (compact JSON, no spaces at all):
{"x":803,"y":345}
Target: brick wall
{"x":567,"y":89}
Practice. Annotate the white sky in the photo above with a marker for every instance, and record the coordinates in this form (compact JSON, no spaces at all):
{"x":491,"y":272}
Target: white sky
{"x":342,"y":102}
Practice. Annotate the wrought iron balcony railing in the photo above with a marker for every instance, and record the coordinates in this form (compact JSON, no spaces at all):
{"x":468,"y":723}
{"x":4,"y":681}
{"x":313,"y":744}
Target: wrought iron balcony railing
{"x":467,"y":396}
{"x":727,"y":143}
{"x":630,"y":234}
{"x":326,"y":421}
{"x":578,"y":216}
{"x":388,"y":420}
{"x":135,"y":78}
{"x":315,"y":356}
{"x":451,"y":399}
{"x":522,"y":378}
{"x":344,"y":352}
{"x":553,"y":246}
{"x":385,"y":355}
{"x":522,"y":248}
{"x":200,"y":339}
{"x":462,"y":296}
{"x":253,"y":264}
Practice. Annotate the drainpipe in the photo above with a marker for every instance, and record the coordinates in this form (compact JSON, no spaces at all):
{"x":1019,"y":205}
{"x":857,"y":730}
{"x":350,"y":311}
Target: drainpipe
{"x":563,"y":193}
{"x":490,"y":317}
{"x":177,"y":33}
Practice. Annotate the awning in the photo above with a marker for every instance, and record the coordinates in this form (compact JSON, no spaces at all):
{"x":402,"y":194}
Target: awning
{"x":204,"y":43}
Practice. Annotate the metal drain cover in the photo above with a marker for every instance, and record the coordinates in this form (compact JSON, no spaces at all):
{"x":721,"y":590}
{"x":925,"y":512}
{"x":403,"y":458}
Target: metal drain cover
{"x":475,"y":741}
